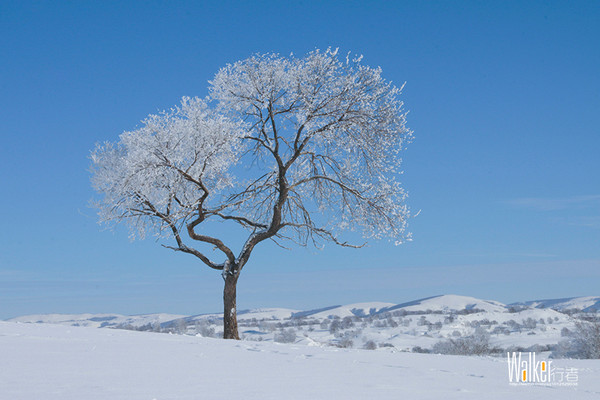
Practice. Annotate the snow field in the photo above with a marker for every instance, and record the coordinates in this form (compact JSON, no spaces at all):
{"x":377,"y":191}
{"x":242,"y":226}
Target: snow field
{"x":43,"y":361}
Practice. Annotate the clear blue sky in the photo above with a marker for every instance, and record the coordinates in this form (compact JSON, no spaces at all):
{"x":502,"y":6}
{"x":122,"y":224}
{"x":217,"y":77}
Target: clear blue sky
{"x":504,"y":100}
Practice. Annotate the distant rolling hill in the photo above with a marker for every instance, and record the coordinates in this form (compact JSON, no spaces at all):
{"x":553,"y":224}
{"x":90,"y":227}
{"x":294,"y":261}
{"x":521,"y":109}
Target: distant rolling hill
{"x":584,"y":304}
{"x":418,"y":324}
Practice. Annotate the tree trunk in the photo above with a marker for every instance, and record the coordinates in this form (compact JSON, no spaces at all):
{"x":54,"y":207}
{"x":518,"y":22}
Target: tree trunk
{"x":230,"y":327}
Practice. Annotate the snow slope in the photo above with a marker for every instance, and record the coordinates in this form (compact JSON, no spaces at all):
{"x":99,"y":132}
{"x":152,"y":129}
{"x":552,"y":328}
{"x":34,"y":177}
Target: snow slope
{"x":450,"y":302}
{"x":97,"y":320}
{"x":56,"y":362}
{"x":350,"y":310}
{"x":585,"y":304}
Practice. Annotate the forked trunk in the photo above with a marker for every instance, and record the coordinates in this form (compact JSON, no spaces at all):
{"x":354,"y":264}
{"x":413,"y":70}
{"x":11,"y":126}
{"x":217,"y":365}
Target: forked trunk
{"x":230,"y":327}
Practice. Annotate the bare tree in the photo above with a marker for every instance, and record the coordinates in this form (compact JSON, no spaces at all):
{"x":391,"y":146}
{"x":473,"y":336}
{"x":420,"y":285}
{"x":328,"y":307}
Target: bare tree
{"x":286,"y":148}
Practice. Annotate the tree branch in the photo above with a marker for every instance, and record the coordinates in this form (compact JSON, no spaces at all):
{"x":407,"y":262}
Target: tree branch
{"x":181,"y":246}
{"x":208,"y":239}
{"x":323,"y":233}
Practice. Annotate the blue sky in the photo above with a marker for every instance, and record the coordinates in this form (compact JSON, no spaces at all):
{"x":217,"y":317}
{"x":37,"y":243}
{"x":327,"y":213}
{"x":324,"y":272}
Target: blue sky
{"x":503,"y":100}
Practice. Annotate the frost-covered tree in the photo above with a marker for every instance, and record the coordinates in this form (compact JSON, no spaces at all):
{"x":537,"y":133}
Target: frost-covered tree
{"x":476,"y":344}
{"x":285,"y":336}
{"x":370,"y":345}
{"x":286,"y":148}
{"x":583,"y":342}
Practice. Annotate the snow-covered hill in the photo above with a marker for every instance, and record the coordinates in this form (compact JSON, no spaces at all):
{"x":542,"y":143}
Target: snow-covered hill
{"x":54,"y":362}
{"x":449,"y":303}
{"x":98,"y":320}
{"x":412,"y":326}
{"x":350,"y":310}
{"x":585,"y":304}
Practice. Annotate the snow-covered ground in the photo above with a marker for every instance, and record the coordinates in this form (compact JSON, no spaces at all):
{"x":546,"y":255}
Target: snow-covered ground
{"x":45,"y":361}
